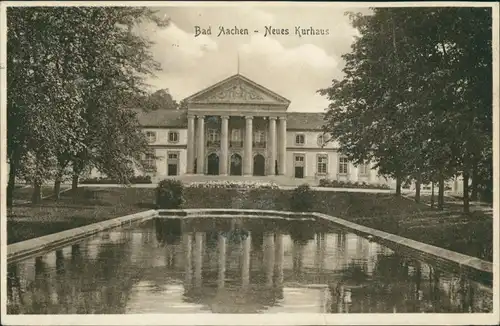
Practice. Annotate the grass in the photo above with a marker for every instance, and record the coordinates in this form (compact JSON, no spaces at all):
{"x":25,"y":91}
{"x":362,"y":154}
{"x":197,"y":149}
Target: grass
{"x":469,"y":234}
{"x":26,"y":221}
{"x":25,"y":192}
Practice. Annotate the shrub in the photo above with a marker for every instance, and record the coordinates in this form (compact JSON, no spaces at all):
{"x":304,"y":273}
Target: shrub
{"x":141,"y":179}
{"x":104,"y":180}
{"x":302,"y":199}
{"x":248,"y":185}
{"x":349,"y":184}
{"x":169,"y":194}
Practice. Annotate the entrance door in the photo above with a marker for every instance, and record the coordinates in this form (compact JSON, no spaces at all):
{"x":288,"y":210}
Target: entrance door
{"x":259,"y":165}
{"x":236,"y":164}
{"x":213,"y":164}
{"x":299,"y":166}
{"x":172,"y":169}
{"x":173,"y":164}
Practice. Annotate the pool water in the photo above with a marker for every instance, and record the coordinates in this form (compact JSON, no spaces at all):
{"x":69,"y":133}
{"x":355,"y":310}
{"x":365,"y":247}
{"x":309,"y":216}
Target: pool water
{"x":235,"y":265}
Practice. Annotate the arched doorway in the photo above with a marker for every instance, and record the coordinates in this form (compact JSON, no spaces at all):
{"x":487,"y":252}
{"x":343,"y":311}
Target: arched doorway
{"x":213,"y":164}
{"x":236,"y":164}
{"x":259,"y":165}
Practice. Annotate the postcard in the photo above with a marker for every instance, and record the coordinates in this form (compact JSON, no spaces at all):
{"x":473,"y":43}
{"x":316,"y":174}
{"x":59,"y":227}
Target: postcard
{"x":247,"y":163}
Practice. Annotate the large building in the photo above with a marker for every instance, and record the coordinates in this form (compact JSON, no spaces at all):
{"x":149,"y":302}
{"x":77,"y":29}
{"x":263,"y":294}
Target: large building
{"x":238,"y":127}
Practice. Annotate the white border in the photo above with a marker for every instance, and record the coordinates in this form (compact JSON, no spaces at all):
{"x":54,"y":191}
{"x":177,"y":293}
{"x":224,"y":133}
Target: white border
{"x":252,"y":319}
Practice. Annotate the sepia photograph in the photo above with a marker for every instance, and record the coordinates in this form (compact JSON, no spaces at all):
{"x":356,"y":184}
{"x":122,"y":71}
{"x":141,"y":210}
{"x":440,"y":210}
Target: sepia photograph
{"x":246,"y":163}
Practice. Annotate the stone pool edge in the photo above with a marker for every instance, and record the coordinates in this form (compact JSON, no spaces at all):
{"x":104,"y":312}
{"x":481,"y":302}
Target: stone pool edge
{"x":20,"y":250}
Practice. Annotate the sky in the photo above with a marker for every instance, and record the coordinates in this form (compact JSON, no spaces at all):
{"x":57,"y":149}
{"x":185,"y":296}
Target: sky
{"x":291,"y":65}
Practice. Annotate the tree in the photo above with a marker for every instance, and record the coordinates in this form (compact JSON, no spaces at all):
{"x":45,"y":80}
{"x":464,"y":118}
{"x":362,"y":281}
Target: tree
{"x":115,"y":78}
{"x":408,"y":106}
{"x":161,"y":100}
{"x":42,"y":107}
{"x":70,"y":71}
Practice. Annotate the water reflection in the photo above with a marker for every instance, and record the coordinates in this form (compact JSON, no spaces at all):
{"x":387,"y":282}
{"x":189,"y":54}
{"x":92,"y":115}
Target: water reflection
{"x":234,"y":266}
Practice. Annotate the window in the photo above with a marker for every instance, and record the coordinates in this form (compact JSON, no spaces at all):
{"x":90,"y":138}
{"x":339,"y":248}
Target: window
{"x":236,"y":134}
{"x":364,"y":169}
{"x":151,"y":136}
{"x":343,"y":164}
{"x":300,"y":139}
{"x":172,"y":156}
{"x":259,"y":136}
{"x":322,"y":164}
{"x":149,"y":161}
{"x":323,"y":139}
{"x":299,"y":158}
{"x":173,"y":137}
{"x":212,"y":135}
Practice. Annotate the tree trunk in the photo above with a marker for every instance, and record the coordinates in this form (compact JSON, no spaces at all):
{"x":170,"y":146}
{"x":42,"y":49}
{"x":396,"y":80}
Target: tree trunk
{"x":77,"y":169}
{"x":57,"y":184}
{"x":59,"y":176}
{"x":398,"y":186}
{"x":36,"y":196}
{"x":57,"y":188}
{"x":11,"y":183}
{"x":418,"y":182}
{"x":432,"y":194}
{"x":473,"y":195}
{"x":441,"y":193}
{"x":74,"y":182}
{"x":466,"y":192}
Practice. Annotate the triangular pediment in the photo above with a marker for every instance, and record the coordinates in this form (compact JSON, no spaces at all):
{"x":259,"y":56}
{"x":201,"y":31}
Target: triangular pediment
{"x":237,"y":89}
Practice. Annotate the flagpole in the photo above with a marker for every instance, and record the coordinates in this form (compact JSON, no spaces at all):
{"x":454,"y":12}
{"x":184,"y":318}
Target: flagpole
{"x":238,"y":64}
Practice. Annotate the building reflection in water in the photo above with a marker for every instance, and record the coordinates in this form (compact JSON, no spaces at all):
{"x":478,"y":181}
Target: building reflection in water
{"x":329,"y":271}
{"x":245,"y":266}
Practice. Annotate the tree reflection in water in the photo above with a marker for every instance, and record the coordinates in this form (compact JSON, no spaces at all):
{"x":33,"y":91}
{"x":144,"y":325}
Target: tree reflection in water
{"x":398,"y":284}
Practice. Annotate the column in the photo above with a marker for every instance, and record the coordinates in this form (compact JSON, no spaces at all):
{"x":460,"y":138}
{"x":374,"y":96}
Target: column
{"x":224,"y":145}
{"x":282,"y":149}
{"x":222,"y":261}
{"x":245,"y":268}
{"x":200,"y":160}
{"x":272,"y":146}
{"x":190,"y":145}
{"x":247,"y":156}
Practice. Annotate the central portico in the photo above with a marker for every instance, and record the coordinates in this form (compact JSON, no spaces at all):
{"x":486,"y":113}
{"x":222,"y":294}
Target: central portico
{"x":236,"y":127}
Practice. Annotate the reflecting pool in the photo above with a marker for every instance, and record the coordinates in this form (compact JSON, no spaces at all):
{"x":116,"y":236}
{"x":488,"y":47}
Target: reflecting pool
{"x":235,"y":265}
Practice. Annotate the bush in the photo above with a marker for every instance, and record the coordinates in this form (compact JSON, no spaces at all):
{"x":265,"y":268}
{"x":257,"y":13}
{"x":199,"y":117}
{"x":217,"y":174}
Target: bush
{"x":144,"y":179}
{"x":169,"y":194}
{"x":302,"y":199}
{"x":349,"y":184}
{"x":141,"y":179}
{"x":248,"y":185}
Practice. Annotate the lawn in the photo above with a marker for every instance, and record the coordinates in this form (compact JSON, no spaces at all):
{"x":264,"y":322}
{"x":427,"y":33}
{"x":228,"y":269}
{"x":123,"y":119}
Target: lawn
{"x":22,"y":193}
{"x":470,"y":234}
{"x":26,"y":221}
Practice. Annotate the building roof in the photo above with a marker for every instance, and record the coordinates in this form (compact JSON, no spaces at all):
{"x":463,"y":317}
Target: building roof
{"x":162,"y":118}
{"x":178,"y":119}
{"x":304,"y":121}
